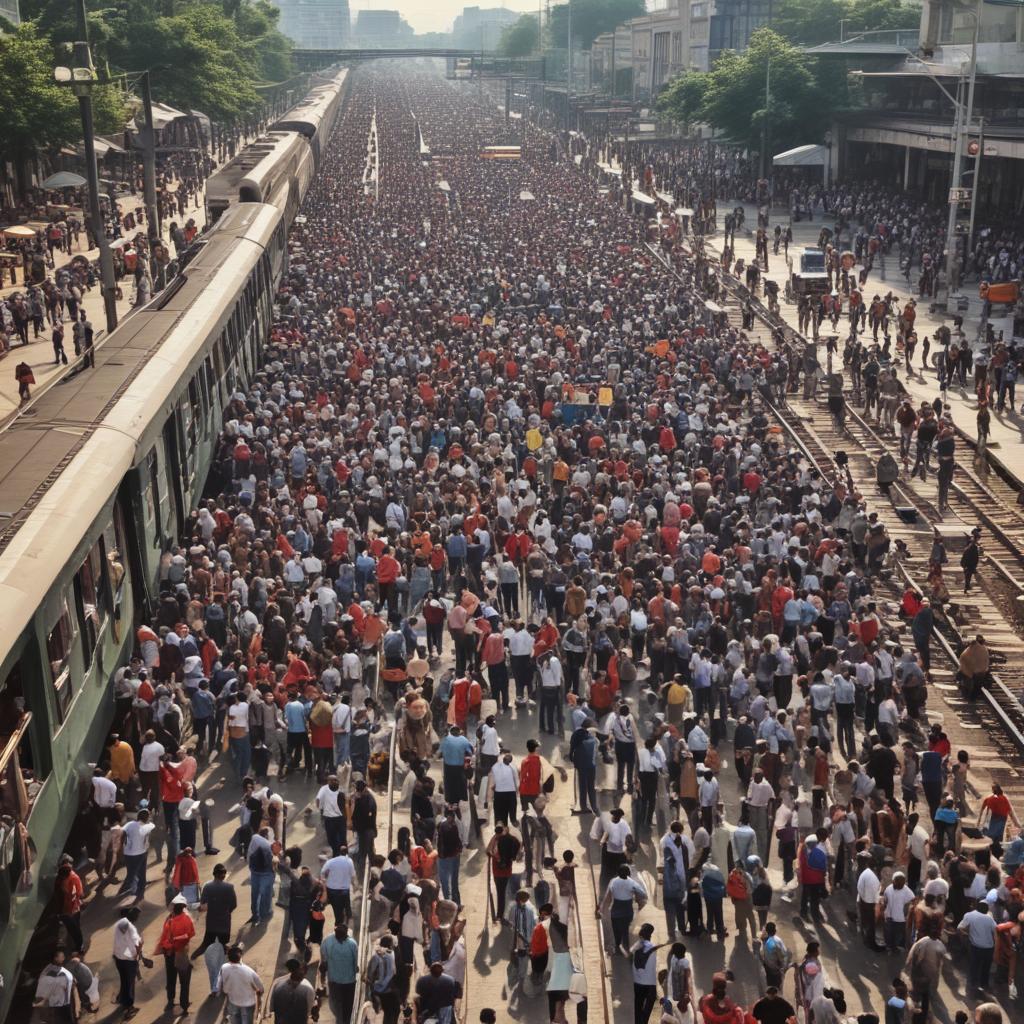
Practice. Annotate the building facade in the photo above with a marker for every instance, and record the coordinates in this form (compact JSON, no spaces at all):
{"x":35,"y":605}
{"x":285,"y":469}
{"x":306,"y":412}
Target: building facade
{"x":659,"y":45}
{"x":905,"y":127}
{"x":316,"y":24}
{"x":9,"y":11}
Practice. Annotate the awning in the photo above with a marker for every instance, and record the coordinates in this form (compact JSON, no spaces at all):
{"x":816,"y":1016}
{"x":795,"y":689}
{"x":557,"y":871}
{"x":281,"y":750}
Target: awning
{"x":802,"y":156}
{"x":713,"y":307}
{"x":64,"y":179}
{"x":444,"y":186}
{"x":163,"y":115}
{"x":665,"y":197}
{"x":683,"y":211}
{"x":642,"y":197}
{"x":526,"y":196}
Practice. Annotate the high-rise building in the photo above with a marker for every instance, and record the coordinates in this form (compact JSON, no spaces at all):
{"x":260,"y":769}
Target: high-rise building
{"x":381,"y":29}
{"x":315,"y":24}
{"x":480,"y":28}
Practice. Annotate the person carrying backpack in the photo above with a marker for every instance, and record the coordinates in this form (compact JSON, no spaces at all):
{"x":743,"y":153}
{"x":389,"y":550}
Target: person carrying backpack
{"x":739,"y":887}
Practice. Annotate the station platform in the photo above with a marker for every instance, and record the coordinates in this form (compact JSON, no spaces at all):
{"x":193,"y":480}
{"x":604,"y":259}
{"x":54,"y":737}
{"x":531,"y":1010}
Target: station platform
{"x":1006,"y":431}
{"x":39,"y":352}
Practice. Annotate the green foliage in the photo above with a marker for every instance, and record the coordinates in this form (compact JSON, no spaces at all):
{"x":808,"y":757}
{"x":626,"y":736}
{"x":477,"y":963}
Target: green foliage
{"x":810,"y":22}
{"x":36,"y":112}
{"x":520,"y":38}
{"x":734,"y":98}
{"x":590,"y":18}
{"x":211,"y":54}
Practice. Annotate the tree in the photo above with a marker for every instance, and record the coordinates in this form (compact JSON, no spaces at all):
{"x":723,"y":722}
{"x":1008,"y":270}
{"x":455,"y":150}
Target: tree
{"x":211,"y":54}
{"x":37,"y":113}
{"x":735,"y":97}
{"x":683,"y":99}
{"x":590,"y":18}
{"x":811,"y":22}
{"x":520,"y":38}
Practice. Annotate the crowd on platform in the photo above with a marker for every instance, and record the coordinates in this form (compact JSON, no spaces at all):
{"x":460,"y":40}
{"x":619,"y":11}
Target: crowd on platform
{"x":501,"y":456}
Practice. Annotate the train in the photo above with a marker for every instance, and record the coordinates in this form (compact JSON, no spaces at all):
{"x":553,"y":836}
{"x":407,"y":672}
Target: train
{"x":95,"y":487}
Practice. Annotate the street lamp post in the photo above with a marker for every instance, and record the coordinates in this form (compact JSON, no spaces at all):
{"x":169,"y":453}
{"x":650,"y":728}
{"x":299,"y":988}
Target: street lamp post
{"x":81,"y":78}
{"x":828,"y":167}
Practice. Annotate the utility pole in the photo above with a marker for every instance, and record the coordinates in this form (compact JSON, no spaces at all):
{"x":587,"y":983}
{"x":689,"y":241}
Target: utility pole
{"x":149,"y":163}
{"x":82,"y":78}
{"x":962,"y":125}
{"x":764,"y":120}
{"x":975,"y":181}
{"x":568,"y":67}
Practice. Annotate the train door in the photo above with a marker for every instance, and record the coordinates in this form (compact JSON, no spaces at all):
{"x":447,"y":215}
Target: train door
{"x":173,"y":476}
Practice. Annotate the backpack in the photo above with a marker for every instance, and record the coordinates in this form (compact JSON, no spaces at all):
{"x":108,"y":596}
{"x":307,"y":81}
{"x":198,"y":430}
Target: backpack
{"x":736,"y":886}
{"x":641,"y":956}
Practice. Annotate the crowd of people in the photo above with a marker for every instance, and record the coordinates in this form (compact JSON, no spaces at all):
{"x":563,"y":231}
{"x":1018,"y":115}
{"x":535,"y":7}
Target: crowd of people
{"x":501,"y":475}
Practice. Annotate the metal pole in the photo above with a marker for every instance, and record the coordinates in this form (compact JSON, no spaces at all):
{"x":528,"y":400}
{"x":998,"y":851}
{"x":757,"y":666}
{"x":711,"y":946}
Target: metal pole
{"x":764,"y":121}
{"x":977,"y":176}
{"x":149,"y":163}
{"x":83,"y":59}
{"x":958,"y":155}
{"x":568,"y":66}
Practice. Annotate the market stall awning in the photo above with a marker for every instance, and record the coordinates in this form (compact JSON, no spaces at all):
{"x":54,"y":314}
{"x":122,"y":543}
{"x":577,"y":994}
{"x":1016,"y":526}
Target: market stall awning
{"x":526,"y":197}
{"x":163,"y":115}
{"x":64,"y":179}
{"x":643,"y":197}
{"x":802,"y":156}
{"x":444,"y":186}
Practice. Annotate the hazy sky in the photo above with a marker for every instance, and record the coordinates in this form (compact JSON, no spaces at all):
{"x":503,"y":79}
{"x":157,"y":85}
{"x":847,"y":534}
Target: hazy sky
{"x":435,"y":15}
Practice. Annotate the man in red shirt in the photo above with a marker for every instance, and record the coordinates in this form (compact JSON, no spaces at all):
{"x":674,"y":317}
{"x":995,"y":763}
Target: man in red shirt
{"x":69,"y":885}
{"x":388,"y":571}
{"x":530,"y":775}
{"x":172,"y":789}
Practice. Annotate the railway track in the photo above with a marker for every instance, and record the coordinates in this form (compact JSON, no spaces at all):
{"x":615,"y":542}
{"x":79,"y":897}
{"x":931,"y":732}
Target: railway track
{"x":993,"y":726}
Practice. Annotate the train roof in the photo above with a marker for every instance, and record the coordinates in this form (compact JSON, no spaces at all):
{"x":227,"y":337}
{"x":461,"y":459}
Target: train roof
{"x":61,"y":464}
{"x":266,"y":150}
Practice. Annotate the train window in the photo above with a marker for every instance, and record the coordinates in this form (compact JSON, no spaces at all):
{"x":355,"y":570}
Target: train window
{"x":188,"y":422}
{"x":88,"y":586}
{"x":153,"y":497}
{"x":218,"y":357}
{"x":19,"y":771}
{"x":113,"y":546}
{"x":60,"y":641}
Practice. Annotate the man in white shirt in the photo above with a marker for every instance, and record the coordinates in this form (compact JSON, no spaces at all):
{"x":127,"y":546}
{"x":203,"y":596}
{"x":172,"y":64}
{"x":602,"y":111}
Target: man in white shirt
{"x":104,"y":790}
{"x":136,"y":849}
{"x":149,"y":768}
{"x":504,"y":789}
{"x":868,"y":894}
{"x":341,"y":726}
{"x":550,"y":694}
{"x":707,"y":793}
{"x":490,"y":746}
{"x":623,"y":734}
{"x":614,"y":834}
{"x":127,"y":950}
{"x":895,"y":900}
{"x":338,"y":874}
{"x":242,"y":987}
{"x":520,"y":649}
{"x":331,"y":802}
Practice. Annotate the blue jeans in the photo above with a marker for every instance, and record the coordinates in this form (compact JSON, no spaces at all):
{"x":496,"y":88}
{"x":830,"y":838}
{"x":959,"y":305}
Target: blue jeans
{"x":240,"y":1014}
{"x":448,"y":876}
{"x":241,"y":755}
{"x":262,"y":883}
{"x":135,"y":873}
{"x":341,"y":748}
